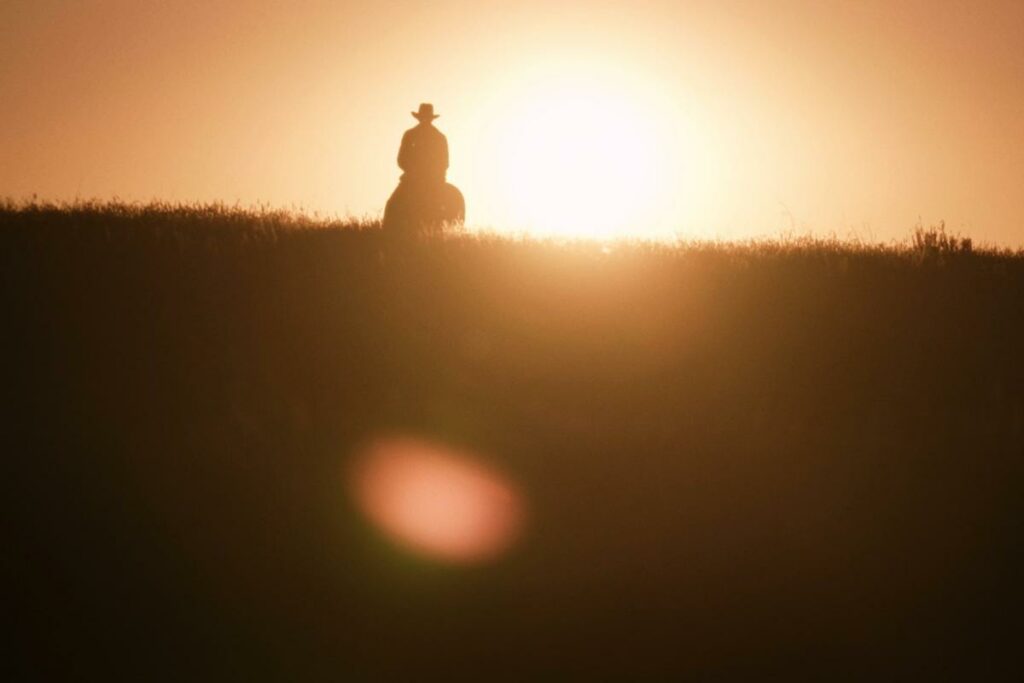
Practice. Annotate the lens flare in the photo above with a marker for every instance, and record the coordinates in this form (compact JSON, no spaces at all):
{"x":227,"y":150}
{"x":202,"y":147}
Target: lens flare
{"x":437,"y":501}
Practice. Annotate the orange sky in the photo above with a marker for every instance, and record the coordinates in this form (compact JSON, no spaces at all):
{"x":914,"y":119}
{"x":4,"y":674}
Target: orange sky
{"x":848,"y":117}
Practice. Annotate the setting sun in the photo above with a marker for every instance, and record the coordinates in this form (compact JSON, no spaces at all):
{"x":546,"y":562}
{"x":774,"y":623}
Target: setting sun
{"x":580,"y":147}
{"x":580,"y":163}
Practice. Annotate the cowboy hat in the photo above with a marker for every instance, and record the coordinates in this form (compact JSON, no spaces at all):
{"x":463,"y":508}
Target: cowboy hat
{"x":426,"y":113}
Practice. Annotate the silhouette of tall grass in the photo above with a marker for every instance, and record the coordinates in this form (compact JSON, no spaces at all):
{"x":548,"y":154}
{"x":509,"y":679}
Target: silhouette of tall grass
{"x":796,"y":457}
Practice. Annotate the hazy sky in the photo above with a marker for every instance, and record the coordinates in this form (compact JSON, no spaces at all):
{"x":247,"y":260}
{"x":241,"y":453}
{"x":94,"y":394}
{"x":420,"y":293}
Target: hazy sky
{"x":709,"y":118}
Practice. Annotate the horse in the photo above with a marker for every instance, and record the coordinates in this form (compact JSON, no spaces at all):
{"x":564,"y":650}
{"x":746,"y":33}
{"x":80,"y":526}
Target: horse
{"x":423,"y":208}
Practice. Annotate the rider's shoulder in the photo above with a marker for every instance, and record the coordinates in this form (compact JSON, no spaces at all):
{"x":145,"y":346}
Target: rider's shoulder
{"x":424,"y":131}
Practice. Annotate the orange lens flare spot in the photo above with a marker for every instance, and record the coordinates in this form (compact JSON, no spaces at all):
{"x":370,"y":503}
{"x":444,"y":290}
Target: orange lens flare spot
{"x":437,"y":501}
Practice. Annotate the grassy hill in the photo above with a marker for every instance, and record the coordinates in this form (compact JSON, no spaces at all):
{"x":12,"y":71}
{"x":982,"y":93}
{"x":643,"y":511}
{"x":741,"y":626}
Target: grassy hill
{"x":801,"y":458}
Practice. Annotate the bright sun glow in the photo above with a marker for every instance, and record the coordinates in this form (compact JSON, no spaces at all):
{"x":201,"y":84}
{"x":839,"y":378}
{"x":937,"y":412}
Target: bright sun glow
{"x":583,"y":153}
{"x":579,"y":164}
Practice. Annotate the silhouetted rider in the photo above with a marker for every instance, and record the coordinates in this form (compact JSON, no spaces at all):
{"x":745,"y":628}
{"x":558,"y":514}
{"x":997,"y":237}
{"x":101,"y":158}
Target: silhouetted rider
{"x":424,"y":201}
{"x":424,"y":151}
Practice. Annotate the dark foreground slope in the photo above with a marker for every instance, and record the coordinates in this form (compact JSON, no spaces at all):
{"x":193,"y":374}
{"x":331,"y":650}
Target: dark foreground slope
{"x":738,"y":462}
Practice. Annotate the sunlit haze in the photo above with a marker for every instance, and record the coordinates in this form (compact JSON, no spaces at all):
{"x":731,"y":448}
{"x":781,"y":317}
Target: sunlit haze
{"x":696,"y":119}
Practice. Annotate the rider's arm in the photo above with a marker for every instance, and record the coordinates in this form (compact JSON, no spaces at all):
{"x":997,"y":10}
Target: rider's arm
{"x":403,"y":152}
